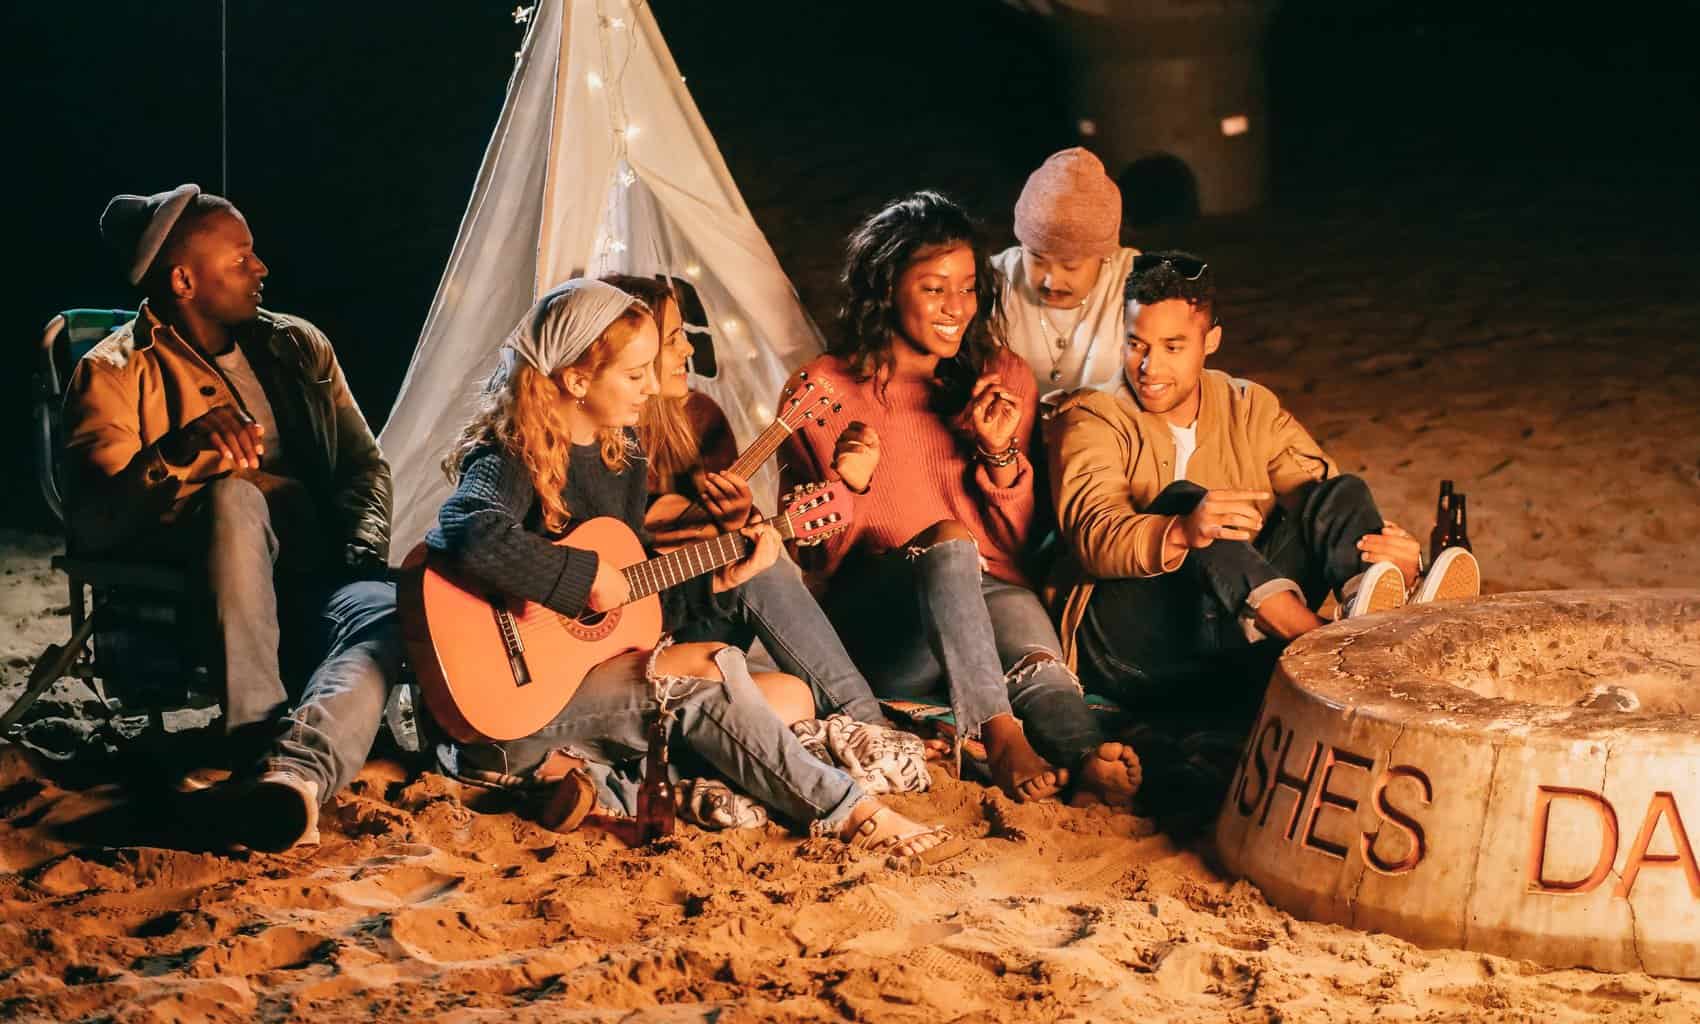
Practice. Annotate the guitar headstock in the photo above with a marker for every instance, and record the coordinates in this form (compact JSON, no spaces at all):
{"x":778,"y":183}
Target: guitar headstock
{"x":810,"y":513}
{"x":804,"y":399}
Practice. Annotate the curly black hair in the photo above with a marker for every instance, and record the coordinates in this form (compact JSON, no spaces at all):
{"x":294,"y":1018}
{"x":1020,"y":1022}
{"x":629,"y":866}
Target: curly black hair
{"x":1172,"y":274}
{"x":876,"y":254}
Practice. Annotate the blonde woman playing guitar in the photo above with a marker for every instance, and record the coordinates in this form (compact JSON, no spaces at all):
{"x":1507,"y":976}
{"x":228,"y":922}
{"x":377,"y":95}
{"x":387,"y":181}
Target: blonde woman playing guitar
{"x":550,"y":448}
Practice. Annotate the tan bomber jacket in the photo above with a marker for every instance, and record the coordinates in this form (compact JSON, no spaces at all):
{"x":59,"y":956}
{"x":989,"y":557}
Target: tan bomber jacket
{"x":144,"y":381}
{"x":1110,"y":459}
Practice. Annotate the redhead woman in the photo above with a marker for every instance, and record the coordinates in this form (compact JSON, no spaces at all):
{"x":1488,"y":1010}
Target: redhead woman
{"x":552,"y":445}
{"x":928,"y":585}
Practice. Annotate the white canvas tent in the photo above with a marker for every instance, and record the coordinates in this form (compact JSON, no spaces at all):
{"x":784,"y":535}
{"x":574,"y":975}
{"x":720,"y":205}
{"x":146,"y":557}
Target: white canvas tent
{"x":600,"y":162}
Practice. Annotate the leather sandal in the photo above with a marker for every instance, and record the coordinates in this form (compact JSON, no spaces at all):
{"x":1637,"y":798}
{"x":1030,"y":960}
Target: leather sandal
{"x":862,"y":839}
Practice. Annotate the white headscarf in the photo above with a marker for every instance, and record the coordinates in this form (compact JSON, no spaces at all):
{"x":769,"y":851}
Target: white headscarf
{"x":565,"y":322}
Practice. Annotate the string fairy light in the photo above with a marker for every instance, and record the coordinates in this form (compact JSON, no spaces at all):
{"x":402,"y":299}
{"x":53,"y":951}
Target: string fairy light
{"x":615,"y":46}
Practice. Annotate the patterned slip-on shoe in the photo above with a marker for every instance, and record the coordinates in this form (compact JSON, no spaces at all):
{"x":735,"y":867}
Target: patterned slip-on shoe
{"x":1454,"y":575}
{"x":1380,"y":588}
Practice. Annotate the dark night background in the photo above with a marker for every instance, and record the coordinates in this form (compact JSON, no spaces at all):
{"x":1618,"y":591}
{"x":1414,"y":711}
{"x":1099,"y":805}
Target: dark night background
{"x":356,"y":131}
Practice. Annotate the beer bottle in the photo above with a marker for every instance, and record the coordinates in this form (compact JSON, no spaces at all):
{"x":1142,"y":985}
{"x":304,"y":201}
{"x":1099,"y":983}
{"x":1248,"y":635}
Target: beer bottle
{"x":1459,"y":535}
{"x":655,"y":799}
{"x":1442,"y":522}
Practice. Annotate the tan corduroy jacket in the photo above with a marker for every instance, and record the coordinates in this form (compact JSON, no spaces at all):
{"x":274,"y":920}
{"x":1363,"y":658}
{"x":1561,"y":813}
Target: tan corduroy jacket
{"x":1110,"y":459}
{"x":144,"y":381}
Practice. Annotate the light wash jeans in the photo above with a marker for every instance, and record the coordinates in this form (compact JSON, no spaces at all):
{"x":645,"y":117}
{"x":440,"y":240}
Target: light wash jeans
{"x":918,"y":618}
{"x":725,"y":722}
{"x":777,"y":609}
{"x":352,"y":632}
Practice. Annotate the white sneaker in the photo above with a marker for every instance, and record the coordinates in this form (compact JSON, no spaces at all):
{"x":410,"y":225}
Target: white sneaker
{"x":1379,"y":588}
{"x":1454,"y":575}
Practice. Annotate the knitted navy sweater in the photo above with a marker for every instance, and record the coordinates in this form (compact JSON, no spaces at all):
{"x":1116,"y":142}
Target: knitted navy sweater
{"x":491,"y":528}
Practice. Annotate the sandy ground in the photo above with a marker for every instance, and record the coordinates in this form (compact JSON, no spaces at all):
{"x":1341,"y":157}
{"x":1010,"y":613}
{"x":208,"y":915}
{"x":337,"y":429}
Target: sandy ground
{"x":1418,"y":336}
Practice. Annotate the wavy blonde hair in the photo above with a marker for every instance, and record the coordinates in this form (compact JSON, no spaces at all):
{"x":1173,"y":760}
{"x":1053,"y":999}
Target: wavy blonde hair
{"x":669,"y":441}
{"x":519,"y":410}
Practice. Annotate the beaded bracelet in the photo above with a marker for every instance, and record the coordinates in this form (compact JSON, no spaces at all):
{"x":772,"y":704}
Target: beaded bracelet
{"x":998,"y":460}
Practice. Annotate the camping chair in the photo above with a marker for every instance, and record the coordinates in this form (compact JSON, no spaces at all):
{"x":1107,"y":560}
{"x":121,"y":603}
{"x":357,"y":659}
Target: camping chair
{"x":139,"y":631}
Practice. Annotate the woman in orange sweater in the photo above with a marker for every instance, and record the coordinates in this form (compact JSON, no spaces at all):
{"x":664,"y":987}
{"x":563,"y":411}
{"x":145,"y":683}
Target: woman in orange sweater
{"x":928,"y":582}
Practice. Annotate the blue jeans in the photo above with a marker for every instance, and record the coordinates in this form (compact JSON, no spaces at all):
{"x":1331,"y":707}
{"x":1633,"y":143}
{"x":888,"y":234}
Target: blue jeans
{"x":726,"y":722}
{"x":914,"y":619}
{"x":350,"y":636}
{"x":1184,"y":631}
{"x":778,"y":609}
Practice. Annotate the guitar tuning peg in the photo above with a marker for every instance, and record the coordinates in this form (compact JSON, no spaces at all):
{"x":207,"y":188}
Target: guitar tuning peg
{"x":820,"y":420}
{"x":837,"y":407}
{"x":802,"y":375}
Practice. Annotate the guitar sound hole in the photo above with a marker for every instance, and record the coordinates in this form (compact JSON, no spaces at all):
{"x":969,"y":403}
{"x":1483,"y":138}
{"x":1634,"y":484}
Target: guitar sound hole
{"x":593,"y":625}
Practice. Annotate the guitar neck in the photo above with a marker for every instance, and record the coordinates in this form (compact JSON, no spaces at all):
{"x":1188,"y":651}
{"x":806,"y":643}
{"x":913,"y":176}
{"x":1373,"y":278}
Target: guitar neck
{"x":675,"y":567}
{"x":766,"y":443}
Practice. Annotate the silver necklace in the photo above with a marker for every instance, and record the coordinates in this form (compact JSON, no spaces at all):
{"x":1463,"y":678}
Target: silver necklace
{"x":1064,"y":338}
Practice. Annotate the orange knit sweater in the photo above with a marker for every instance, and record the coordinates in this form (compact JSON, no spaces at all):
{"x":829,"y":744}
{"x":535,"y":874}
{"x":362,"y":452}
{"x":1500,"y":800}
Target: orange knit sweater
{"x":927,"y":471}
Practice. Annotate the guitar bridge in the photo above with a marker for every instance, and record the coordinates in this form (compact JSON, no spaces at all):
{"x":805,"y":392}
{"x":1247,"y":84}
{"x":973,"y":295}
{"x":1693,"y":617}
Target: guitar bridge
{"x":511,"y":643}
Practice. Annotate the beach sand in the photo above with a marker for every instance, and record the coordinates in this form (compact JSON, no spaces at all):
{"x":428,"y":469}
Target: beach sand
{"x":1419,"y":336}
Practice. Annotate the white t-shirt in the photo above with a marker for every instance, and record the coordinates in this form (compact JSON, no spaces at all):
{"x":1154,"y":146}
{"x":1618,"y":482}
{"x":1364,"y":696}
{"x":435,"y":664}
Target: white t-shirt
{"x":1093,"y":356}
{"x":1186,"y":442}
{"x":241,"y":376}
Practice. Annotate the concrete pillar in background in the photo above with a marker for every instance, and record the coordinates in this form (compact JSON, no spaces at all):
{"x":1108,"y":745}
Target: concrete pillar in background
{"x":1157,"y":84}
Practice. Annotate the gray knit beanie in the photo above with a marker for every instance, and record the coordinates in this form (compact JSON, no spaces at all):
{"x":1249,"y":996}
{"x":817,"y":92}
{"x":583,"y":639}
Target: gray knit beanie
{"x":136,"y":226}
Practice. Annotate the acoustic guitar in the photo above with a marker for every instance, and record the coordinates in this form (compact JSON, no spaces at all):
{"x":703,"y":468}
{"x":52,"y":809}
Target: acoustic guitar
{"x":495,"y":668}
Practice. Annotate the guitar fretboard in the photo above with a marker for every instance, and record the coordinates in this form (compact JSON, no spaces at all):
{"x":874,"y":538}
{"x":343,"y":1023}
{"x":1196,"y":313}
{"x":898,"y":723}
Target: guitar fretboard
{"x":692,"y":560}
{"x":766,"y":443}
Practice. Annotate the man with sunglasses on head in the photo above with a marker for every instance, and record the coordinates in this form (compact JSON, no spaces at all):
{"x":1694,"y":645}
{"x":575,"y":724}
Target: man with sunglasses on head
{"x":1061,"y":301}
{"x":1203,"y":525}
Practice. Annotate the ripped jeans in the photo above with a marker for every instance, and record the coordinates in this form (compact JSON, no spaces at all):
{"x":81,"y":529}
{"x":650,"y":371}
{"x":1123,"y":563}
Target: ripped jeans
{"x":778,"y":609}
{"x":914,"y":621}
{"x":723,"y":722}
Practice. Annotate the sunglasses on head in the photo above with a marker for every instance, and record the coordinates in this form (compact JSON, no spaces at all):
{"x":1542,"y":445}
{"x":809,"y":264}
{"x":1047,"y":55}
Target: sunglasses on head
{"x":1189,"y":268}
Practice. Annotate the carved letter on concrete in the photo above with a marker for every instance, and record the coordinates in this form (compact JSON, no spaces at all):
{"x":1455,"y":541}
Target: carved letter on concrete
{"x":1254,"y":755}
{"x":1299,"y":784}
{"x":1414,"y":838}
{"x":1538,"y":882}
{"x":1324,"y":797}
{"x":1664,"y":804}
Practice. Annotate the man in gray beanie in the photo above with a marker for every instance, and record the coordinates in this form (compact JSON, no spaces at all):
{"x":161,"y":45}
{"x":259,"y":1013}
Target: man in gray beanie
{"x":213,"y":433}
{"x":1062,"y":305}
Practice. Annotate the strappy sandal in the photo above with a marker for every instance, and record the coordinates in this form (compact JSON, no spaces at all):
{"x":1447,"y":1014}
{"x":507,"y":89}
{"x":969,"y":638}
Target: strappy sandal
{"x":862,"y":839}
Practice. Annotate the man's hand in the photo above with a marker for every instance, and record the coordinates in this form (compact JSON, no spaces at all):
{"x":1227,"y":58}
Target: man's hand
{"x":993,"y":414}
{"x":1219,"y":515}
{"x":609,"y":590}
{"x":855,"y":456}
{"x":224,"y":429}
{"x":760,"y":558}
{"x":726,"y":496}
{"x":1393,"y":544}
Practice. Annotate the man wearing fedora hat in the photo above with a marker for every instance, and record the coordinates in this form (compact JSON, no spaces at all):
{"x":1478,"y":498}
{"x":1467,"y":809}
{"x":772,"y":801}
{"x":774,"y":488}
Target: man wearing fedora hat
{"x":211,"y":432}
{"x":1062,"y":307}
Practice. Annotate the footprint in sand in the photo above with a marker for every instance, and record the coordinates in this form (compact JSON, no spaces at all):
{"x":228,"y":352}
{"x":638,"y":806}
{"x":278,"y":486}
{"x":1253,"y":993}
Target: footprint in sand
{"x":406,"y":886}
